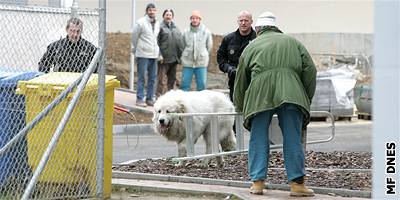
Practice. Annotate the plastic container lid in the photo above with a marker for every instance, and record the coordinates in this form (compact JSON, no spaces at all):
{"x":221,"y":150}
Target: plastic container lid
{"x":47,"y":83}
{"x":10,"y":79}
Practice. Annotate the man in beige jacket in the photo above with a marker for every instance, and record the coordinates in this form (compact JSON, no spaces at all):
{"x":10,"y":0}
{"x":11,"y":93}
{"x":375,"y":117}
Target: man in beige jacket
{"x":195,"y":56}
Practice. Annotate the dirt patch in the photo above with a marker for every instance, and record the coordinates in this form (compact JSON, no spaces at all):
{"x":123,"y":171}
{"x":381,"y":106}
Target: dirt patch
{"x":321,"y":171}
{"x":118,"y":47}
{"x":122,"y":118}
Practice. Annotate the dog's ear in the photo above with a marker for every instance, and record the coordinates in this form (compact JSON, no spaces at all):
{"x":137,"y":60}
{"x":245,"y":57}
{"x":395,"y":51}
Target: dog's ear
{"x":154,"y":119}
{"x":181,"y":109}
{"x":180,"y":106}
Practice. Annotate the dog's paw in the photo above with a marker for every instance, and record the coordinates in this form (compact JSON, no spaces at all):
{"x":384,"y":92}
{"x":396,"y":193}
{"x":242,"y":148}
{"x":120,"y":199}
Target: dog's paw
{"x":205,"y":163}
{"x":176,"y":162}
{"x":220,"y":165}
{"x":220,"y":161}
{"x":180,"y":163}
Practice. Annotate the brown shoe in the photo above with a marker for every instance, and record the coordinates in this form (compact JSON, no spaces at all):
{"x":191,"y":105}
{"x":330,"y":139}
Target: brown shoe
{"x":300,"y":190}
{"x":257,"y":187}
{"x":141,"y":103}
{"x":150,"y":102}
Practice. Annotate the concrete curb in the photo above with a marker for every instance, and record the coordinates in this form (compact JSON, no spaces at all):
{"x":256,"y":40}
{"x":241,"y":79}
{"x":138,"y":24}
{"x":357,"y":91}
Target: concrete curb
{"x":134,"y":129}
{"x":242,"y":184}
{"x":129,"y":162}
{"x":175,"y":190}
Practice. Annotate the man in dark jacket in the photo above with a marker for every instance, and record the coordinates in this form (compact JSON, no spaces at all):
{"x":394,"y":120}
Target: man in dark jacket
{"x":171,"y":46}
{"x":232,"y":46}
{"x":70,"y":54}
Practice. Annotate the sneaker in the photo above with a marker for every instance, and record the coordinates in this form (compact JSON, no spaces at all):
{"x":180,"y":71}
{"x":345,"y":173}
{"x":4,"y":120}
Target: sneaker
{"x":141,"y":103}
{"x":150,"y":102}
{"x":300,"y":190}
{"x":257,"y":187}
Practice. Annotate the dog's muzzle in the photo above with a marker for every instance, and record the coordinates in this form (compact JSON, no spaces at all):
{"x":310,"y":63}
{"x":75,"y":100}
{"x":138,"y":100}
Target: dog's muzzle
{"x":164,"y":126}
{"x":161,"y":121}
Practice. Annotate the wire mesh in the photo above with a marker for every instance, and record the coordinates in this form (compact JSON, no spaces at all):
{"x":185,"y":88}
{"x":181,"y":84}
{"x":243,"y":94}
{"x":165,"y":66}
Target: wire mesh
{"x":38,"y":62}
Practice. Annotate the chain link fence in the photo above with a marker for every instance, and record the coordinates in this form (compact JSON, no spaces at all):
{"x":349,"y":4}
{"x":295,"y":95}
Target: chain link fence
{"x":39,"y":62}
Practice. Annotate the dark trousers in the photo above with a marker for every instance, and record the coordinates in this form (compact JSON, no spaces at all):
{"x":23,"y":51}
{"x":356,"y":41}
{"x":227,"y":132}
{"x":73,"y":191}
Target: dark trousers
{"x":166,"y":70}
{"x":231,"y":84}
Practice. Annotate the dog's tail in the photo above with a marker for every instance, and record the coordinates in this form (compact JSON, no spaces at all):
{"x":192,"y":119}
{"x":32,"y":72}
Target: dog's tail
{"x":229,"y":142}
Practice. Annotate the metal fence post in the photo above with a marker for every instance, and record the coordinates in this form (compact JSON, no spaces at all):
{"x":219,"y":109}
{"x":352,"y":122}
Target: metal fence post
{"x":132,"y":64}
{"x":304,"y":138}
{"x":74,"y":9}
{"x":101,"y":102}
{"x":239,"y":132}
{"x":189,"y":136}
{"x":214,"y":134}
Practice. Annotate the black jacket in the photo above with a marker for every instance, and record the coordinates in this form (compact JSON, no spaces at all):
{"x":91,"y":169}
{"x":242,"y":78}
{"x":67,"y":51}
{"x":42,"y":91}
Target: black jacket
{"x":66,"y":56}
{"x":231,"y":48}
{"x":229,"y":52}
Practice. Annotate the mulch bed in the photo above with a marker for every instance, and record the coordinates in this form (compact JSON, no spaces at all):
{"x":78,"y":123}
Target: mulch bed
{"x":235,"y":168}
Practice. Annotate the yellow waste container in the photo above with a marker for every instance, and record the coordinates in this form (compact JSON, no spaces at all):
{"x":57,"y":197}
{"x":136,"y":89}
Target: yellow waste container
{"x":72,"y":165}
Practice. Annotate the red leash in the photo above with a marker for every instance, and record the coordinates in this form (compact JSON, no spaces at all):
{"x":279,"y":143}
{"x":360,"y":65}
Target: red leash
{"x":121,"y":109}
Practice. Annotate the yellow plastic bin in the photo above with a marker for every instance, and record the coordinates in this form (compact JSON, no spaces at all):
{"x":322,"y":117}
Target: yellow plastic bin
{"x":73,"y":162}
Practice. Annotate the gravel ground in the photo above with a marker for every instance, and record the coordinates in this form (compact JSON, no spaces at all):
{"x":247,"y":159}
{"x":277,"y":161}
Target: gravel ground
{"x":322,"y":169}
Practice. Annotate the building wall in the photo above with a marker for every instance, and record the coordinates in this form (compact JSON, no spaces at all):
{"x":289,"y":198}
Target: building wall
{"x":337,"y":43}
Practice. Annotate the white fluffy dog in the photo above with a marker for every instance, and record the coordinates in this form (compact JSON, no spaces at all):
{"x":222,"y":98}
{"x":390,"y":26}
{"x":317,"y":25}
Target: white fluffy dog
{"x":206,"y":101}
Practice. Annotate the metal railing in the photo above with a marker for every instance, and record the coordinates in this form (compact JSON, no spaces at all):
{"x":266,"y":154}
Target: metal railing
{"x":188,"y":120}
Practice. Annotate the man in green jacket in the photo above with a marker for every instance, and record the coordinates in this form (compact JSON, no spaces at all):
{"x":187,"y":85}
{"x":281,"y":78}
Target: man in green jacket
{"x":275,"y":75}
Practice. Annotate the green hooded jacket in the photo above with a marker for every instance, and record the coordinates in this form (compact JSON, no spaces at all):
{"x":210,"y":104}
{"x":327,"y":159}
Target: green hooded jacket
{"x":274,"y":69}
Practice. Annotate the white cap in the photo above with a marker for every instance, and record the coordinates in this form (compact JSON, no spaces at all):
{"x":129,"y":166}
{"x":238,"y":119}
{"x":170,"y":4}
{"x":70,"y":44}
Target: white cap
{"x":266,"y":19}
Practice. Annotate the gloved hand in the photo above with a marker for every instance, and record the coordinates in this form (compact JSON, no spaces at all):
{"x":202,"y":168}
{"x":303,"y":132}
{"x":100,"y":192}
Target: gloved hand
{"x":232,"y":73}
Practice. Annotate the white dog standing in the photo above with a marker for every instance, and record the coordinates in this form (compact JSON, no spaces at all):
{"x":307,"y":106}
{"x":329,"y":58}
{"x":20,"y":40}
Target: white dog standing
{"x":206,"y":101}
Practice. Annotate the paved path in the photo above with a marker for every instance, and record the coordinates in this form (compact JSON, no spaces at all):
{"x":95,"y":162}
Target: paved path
{"x":127,"y":99}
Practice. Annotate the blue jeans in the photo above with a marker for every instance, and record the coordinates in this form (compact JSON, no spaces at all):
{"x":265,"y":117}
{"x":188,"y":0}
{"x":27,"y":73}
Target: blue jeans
{"x":144,"y":65}
{"x":290,"y":121}
{"x":200,"y":74}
